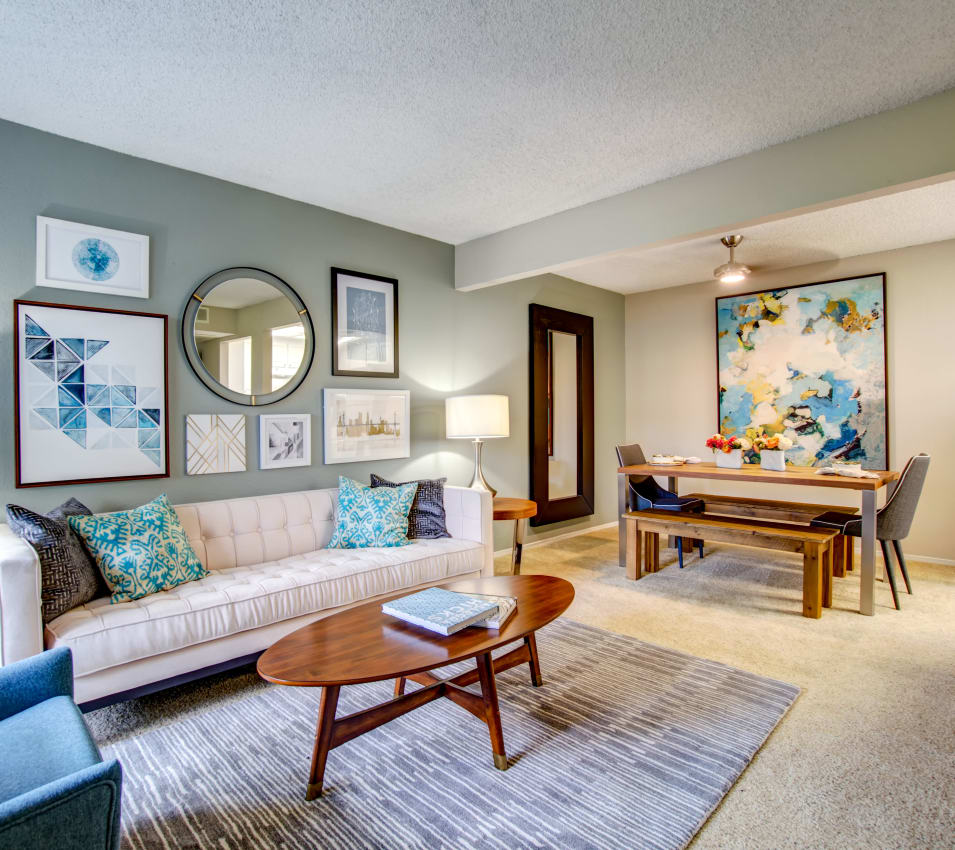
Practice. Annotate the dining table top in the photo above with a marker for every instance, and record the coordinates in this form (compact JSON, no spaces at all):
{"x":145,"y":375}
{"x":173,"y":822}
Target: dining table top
{"x":803,"y":475}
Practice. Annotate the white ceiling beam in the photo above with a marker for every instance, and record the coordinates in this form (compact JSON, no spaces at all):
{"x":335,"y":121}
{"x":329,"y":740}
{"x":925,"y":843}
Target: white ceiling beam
{"x":869,"y":156}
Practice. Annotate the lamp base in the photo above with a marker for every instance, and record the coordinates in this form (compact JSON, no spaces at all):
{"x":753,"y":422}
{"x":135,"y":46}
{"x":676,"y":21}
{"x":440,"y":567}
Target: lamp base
{"x":478,"y":481}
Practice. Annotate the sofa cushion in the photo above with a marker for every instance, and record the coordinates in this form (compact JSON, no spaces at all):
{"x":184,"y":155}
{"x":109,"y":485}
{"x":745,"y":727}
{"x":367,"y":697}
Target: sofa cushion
{"x":68,"y":576}
{"x":47,"y":741}
{"x":238,"y":598}
{"x":371,"y":517}
{"x":141,"y":551}
{"x":427,"y":518}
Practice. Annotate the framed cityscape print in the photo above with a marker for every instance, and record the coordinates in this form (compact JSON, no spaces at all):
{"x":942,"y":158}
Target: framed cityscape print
{"x":364,"y":325}
{"x":91,"y":397}
{"x":808,"y":361}
{"x":285,"y":439}
{"x":77,"y":256}
{"x":366,"y":425}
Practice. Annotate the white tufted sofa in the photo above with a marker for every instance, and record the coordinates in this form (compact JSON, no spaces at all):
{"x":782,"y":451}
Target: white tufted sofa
{"x":269,"y":575}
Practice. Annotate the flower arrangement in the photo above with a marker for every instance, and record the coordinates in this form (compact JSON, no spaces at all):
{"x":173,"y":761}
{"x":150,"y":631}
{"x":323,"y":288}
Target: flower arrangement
{"x":776,"y":442}
{"x":719,"y":443}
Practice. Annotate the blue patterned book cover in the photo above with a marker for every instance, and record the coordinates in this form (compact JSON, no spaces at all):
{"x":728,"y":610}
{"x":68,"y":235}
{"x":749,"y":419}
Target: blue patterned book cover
{"x":441,"y":611}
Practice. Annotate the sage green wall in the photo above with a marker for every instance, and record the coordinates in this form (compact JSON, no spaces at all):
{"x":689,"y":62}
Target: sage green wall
{"x":450,"y":342}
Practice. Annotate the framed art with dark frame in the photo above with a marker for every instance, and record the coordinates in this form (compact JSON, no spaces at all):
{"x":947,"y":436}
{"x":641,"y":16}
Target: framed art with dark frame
{"x":364,"y":325}
{"x":807,"y":361}
{"x":91,"y":394}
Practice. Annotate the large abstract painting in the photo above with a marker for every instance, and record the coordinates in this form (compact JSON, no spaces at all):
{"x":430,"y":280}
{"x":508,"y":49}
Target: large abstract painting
{"x":90,"y":393}
{"x":807,"y":361}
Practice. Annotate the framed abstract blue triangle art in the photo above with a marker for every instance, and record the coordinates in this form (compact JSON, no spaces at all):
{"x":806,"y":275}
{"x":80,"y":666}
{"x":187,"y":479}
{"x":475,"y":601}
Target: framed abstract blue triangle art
{"x":91,"y":394}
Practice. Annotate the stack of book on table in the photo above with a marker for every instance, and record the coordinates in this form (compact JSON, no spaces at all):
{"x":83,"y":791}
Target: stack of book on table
{"x":447,"y":612}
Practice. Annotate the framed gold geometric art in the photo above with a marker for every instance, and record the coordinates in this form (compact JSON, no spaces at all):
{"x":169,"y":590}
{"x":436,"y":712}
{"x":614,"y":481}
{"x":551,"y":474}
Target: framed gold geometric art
{"x":215,"y":443}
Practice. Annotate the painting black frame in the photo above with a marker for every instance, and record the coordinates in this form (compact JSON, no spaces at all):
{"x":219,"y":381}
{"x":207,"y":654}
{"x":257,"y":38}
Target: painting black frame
{"x":542,"y":321}
{"x":350,"y":373}
{"x":885,"y":343}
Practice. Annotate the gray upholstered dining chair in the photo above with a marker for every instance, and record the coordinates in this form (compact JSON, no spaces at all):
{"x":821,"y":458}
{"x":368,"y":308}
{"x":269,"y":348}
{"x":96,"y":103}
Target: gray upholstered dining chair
{"x":892,"y":523}
{"x":645,"y":494}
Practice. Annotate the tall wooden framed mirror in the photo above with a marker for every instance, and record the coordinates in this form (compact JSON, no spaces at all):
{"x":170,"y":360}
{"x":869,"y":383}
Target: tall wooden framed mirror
{"x":561,"y":414}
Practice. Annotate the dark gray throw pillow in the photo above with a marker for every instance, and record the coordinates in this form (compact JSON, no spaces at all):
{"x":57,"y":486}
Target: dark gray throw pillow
{"x":68,"y":576}
{"x":426,"y":519}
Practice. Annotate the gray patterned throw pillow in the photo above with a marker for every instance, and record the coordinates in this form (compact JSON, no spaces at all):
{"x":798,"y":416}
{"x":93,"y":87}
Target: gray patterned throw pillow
{"x":68,"y":576}
{"x":426,"y":519}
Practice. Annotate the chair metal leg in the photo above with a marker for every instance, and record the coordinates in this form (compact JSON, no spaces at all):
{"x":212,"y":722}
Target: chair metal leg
{"x":699,"y":544}
{"x":679,"y":550}
{"x":901,"y":559}
{"x":889,"y":572}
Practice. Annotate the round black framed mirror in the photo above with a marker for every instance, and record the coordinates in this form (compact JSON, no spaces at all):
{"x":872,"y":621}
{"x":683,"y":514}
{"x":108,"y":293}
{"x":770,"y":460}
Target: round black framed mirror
{"x":247,"y":335}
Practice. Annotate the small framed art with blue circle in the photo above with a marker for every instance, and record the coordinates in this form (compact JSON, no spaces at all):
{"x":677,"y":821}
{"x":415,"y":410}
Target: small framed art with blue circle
{"x":84,"y":258}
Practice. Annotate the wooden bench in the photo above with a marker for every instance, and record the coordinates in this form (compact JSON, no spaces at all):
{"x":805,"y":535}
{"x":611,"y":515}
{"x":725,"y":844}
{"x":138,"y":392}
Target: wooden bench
{"x":786,"y":511}
{"x":814,"y":544}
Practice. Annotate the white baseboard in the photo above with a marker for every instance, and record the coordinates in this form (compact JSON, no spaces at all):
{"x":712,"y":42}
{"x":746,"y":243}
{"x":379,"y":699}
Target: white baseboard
{"x":909,"y":556}
{"x":565,"y":536}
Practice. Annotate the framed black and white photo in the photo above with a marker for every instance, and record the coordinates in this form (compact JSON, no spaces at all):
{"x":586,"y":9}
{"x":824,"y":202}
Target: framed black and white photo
{"x":70,"y":255}
{"x":90,"y":392}
{"x":366,"y":425}
{"x":364,"y":325}
{"x":285,"y":439}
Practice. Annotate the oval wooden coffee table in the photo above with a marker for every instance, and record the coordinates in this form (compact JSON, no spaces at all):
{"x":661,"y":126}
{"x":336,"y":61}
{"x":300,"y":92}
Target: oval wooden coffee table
{"x":364,"y":645}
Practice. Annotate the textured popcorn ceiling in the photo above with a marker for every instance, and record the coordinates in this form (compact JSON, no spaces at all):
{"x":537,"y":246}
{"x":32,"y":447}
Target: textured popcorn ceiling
{"x":458,"y":119}
{"x":910,"y":217}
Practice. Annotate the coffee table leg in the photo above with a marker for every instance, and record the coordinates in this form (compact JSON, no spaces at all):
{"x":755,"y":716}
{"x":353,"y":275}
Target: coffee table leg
{"x":323,"y":737}
{"x":531,"y":643}
{"x":399,"y":686}
{"x":492,"y":714}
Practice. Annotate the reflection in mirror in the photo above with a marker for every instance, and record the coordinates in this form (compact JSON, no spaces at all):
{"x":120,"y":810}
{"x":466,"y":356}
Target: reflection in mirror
{"x":248,"y":336}
{"x":562,"y":410}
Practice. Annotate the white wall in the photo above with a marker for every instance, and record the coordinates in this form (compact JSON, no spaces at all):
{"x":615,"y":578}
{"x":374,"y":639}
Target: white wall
{"x":671,"y":403}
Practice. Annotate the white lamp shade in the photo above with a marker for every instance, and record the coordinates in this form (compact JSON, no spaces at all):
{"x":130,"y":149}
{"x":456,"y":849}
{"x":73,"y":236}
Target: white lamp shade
{"x":477,"y":417}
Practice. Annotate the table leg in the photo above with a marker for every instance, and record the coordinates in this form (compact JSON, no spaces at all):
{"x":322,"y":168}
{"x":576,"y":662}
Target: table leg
{"x":867,"y":579}
{"x":531,"y":643}
{"x":323,"y":739}
{"x":399,"y":686}
{"x":623,"y":485}
{"x":518,"y":548}
{"x":673,"y":485}
{"x":492,"y":714}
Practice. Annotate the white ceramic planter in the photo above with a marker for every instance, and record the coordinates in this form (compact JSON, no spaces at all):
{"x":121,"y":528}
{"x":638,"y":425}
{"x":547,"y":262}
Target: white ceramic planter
{"x":773,"y":459}
{"x":730,"y":460}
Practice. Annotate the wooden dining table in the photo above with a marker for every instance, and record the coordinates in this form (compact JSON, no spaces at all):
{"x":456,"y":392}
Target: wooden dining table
{"x":800,"y":476}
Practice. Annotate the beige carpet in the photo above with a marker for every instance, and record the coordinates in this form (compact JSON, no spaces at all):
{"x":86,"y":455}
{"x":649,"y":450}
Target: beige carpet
{"x":866,"y":757}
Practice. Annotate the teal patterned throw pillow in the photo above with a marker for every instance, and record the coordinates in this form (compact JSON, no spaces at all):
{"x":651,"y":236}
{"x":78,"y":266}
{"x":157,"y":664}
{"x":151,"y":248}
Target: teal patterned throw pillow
{"x":370,"y":516}
{"x":141,"y":551}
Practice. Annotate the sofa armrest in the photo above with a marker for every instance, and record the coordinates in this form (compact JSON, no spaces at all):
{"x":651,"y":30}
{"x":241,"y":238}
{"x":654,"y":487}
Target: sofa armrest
{"x":21,"y":623}
{"x":74,"y":812}
{"x":469,"y":516}
{"x":35,"y":679}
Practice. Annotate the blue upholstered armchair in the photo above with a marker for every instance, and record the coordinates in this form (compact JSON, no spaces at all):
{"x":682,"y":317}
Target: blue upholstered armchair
{"x":55,"y":788}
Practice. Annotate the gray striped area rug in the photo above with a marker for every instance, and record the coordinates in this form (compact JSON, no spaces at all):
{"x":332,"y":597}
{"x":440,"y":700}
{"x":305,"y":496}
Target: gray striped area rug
{"x":627,"y":745}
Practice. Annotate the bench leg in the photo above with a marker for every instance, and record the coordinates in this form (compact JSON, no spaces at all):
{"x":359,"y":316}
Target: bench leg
{"x":633,"y":553}
{"x":850,"y":553}
{"x":827,"y":561}
{"x":655,"y":546}
{"x":839,"y":556}
{"x":812,"y":570}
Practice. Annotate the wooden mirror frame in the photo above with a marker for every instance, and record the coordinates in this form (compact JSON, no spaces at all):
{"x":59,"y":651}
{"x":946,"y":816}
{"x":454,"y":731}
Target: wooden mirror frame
{"x":542,"y":321}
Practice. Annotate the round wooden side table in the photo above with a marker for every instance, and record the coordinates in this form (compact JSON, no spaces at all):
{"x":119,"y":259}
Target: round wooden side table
{"x":518,"y":510}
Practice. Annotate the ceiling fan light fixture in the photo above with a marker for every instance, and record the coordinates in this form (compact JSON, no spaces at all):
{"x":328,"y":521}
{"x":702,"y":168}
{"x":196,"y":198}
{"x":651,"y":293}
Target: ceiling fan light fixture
{"x":732,"y":272}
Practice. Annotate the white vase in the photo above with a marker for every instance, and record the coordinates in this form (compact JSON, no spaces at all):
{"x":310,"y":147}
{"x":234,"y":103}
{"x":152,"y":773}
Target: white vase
{"x":730,"y":460}
{"x":773,"y":459}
